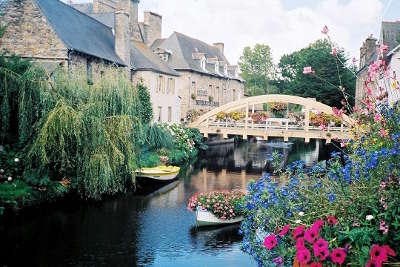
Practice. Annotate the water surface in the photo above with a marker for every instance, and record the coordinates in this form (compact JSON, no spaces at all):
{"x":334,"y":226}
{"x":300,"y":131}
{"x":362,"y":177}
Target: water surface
{"x":150,"y":229}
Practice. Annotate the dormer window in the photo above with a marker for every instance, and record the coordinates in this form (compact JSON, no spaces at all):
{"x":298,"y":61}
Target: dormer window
{"x":203,"y":64}
{"x":216,"y":67}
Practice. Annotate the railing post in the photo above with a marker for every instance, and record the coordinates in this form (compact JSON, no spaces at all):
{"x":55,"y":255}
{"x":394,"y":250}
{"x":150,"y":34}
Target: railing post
{"x":341,"y":127}
{"x":252,"y":110}
{"x":287,"y":125}
{"x":329,"y":127}
{"x":207,"y":123}
{"x":247,"y":115}
{"x":307,"y":119}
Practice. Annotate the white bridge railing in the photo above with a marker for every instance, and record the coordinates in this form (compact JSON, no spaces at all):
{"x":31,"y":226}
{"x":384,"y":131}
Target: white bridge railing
{"x":269,"y":125}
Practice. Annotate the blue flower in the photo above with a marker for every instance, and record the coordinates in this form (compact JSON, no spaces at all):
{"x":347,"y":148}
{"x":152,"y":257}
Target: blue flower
{"x":331,"y":197}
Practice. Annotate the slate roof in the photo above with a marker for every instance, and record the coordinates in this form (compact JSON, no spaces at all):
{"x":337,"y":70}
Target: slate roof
{"x":183,"y":47}
{"x":143,"y":58}
{"x":390,"y":34}
{"x":80,"y":32}
{"x":84,"y":7}
{"x":107,"y":19}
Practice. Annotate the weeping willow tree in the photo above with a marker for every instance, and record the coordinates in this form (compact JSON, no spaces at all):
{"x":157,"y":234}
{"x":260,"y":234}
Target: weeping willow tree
{"x":86,"y":133}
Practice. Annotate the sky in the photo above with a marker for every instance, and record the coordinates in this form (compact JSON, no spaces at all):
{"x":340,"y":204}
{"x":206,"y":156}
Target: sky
{"x":285,"y":25}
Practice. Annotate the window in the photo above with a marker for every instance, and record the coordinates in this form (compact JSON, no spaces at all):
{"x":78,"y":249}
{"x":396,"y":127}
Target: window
{"x":171,"y":86}
{"x":160,"y":84}
{"x":169,"y":114}
{"x":159,"y":119}
{"x":193,"y":85}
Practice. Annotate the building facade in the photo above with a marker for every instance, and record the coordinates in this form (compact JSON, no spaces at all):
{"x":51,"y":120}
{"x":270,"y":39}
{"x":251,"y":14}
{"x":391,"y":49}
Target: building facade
{"x":390,"y":36}
{"x":108,"y":33}
{"x":206,"y":80}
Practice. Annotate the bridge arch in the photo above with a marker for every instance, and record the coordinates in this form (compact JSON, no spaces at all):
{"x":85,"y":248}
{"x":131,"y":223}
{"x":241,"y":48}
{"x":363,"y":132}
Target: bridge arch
{"x":308,"y":104}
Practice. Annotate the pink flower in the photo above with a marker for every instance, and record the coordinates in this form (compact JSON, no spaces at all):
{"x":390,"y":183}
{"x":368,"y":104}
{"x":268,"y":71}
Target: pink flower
{"x":325,"y":30}
{"x":383,"y":133}
{"x":334,"y":51}
{"x":378,"y":117}
{"x":308,"y":70}
{"x":270,"y":242}
{"x":338,"y":255}
{"x":316,"y":264}
{"x":383,"y":227}
{"x":322,"y":127}
{"x":298,"y":232}
{"x":311,"y":235}
{"x":337,"y":112}
{"x":284,"y":230}
{"x":378,"y":254}
{"x":318,"y":224}
{"x":303,"y":256}
{"x":300,"y":243}
{"x":332,"y":220}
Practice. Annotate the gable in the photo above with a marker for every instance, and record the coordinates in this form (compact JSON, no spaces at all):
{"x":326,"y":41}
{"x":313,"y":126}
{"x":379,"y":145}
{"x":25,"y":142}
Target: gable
{"x":28,"y":32}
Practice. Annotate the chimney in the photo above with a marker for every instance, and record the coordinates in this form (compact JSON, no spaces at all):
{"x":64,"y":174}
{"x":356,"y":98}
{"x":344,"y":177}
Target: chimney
{"x":220,"y":46}
{"x":103,"y":6}
{"x":153,"y":27}
{"x":122,"y":40}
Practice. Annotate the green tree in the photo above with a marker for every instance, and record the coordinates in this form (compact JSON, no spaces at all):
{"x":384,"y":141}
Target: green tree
{"x":145,"y":108}
{"x":330,"y":74}
{"x":257,"y":69}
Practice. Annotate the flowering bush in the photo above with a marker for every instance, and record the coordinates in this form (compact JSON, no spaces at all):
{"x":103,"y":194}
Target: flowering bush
{"x":343,"y":211}
{"x":222,"y":116}
{"x":236,"y":116}
{"x":323,"y":119}
{"x":224,"y":205}
{"x":277,"y":106}
{"x":259,"y":117}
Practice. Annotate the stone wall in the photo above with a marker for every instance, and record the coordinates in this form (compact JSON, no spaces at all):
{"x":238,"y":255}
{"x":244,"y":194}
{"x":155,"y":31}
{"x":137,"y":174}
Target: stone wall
{"x":196,"y":90}
{"x":152,"y":27}
{"x":29,"y":34}
{"x":165,"y":99}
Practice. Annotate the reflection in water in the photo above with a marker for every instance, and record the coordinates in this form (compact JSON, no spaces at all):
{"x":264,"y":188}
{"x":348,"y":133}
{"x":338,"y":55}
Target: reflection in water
{"x":154,"y":229}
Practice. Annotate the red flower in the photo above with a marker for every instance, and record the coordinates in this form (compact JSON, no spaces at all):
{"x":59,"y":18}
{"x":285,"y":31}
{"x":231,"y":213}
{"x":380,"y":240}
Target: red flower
{"x":389,"y":251}
{"x":321,"y":253}
{"x":332,"y":220}
{"x":298,"y":232}
{"x":311,"y":235}
{"x":303,"y":256}
{"x":372,"y":263}
{"x":318,"y":224}
{"x":284,"y":230}
{"x":270,"y":242}
{"x":316,"y":264}
{"x":378,"y":254}
{"x":338,"y":255}
{"x":300,"y":243}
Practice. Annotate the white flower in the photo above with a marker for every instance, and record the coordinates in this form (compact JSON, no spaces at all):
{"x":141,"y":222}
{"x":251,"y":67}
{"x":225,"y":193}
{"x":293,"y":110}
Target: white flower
{"x":298,"y":221}
{"x":1,"y":148}
{"x":369,"y":217}
{"x":9,"y":179}
{"x":16,"y":159}
{"x":301,"y":213}
{"x":1,"y":171}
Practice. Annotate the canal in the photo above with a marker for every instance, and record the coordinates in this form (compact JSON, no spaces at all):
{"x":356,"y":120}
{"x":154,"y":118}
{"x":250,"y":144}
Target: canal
{"x":152,"y":227}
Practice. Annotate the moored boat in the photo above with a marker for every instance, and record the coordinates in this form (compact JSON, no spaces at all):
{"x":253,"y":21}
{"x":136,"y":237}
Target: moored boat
{"x":207,"y":218}
{"x":161,"y":173}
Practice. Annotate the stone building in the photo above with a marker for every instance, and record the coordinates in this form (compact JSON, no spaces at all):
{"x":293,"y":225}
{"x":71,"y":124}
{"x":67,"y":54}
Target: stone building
{"x":390,"y":36}
{"x":206,"y":80}
{"x":106,"y":33}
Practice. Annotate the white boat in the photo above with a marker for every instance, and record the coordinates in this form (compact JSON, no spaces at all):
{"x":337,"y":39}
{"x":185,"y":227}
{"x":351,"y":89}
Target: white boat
{"x":206,"y":218}
{"x":161,"y":173}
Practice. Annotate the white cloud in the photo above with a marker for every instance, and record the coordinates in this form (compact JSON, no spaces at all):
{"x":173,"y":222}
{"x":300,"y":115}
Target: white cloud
{"x":240,"y":23}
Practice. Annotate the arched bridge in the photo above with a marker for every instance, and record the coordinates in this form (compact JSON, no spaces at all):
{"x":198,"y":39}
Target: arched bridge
{"x":245,"y":125}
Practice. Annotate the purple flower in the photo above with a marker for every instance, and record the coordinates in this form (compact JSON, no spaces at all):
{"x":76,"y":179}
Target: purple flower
{"x":278,"y":260}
